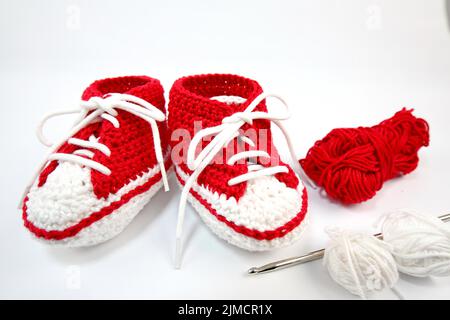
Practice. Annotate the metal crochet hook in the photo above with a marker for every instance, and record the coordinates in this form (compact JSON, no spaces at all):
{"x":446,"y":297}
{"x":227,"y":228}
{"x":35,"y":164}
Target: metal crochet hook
{"x":312,"y":256}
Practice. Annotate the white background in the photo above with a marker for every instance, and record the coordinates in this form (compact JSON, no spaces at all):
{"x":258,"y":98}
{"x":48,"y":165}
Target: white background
{"x":337,"y":63}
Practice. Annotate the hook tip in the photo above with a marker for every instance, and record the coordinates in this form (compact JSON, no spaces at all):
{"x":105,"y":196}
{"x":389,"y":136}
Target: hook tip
{"x":251,"y":271}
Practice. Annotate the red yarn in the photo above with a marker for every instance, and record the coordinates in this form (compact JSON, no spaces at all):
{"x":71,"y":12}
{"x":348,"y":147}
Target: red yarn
{"x":351,"y":164}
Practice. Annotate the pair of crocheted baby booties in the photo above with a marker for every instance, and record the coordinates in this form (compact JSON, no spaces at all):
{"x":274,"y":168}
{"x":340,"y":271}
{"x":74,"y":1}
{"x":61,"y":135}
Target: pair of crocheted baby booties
{"x":216,"y":134}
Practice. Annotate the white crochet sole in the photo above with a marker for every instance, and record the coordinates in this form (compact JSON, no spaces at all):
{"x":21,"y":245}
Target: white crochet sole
{"x":111,"y":225}
{"x":238,"y":239}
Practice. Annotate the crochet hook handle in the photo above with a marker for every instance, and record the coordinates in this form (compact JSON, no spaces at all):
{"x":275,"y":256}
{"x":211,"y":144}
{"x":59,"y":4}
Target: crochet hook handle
{"x":312,"y":256}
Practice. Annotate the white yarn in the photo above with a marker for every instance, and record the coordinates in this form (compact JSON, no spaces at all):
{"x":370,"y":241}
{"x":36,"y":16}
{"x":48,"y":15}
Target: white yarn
{"x":421,"y":244}
{"x":360,"y":263}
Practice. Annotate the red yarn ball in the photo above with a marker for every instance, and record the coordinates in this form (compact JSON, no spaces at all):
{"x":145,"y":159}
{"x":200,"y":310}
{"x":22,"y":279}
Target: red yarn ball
{"x":351,"y":164}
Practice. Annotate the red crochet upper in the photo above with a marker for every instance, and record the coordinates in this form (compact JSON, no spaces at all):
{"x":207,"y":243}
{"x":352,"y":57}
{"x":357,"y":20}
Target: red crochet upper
{"x":131,"y":145}
{"x":190,"y":101}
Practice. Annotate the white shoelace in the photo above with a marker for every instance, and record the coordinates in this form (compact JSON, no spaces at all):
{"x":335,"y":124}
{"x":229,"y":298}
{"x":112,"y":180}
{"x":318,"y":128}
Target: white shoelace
{"x":89,"y":112}
{"x":224,"y":134}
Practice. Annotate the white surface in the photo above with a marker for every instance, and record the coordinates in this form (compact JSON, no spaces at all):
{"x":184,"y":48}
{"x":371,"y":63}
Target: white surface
{"x":336,"y":63}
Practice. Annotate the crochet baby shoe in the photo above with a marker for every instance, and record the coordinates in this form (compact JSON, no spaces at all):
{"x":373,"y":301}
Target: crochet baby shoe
{"x":96,"y":179}
{"x":250,"y":197}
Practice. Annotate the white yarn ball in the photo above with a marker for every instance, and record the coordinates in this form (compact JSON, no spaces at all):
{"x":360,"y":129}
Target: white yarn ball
{"x":421,"y":244}
{"x":360,"y":263}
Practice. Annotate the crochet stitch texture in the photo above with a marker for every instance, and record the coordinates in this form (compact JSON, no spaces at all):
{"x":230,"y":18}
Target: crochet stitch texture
{"x":75,"y":205}
{"x":259,"y":214}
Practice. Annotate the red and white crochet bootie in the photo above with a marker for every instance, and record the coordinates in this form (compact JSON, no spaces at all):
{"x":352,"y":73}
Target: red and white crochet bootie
{"x":101,"y":174}
{"x":250,"y":197}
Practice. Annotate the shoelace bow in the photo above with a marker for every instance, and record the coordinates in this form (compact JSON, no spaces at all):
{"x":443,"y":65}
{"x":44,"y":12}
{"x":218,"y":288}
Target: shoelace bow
{"x":224,"y":134}
{"x":89,"y":112}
